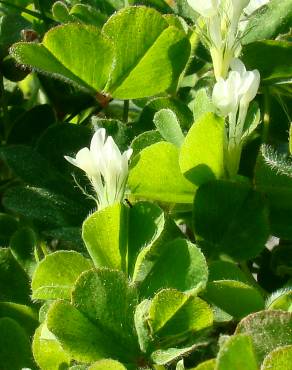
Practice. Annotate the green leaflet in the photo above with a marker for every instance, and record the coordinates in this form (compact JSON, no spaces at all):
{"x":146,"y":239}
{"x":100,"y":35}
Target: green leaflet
{"x":48,"y":353}
{"x":236,"y":354}
{"x":71,"y":52}
{"x":268,"y":330}
{"x":225,"y":224}
{"x":269,"y":22}
{"x":202,"y":154}
{"x":160,"y":179}
{"x":56,"y":274}
{"x":15,"y":352}
{"x":98,"y":61}
{"x":234,"y":297}
{"x":155,"y":57}
{"x":278,"y":359}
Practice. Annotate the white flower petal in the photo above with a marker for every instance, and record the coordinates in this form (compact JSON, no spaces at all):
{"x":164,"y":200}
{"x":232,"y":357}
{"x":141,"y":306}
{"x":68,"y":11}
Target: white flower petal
{"x":251,"y":86}
{"x":237,"y":65}
{"x":206,"y":8}
{"x":97,"y":141}
{"x":214,"y":28}
{"x":225,"y":94}
{"x":129,"y":153}
{"x":84,"y":161}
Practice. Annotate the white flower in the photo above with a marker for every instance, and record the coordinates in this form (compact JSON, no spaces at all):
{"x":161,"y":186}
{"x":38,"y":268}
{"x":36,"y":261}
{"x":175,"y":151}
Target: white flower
{"x":232,"y":97}
{"x":240,"y":88}
{"x":250,"y":81}
{"x":222,"y":20}
{"x":206,"y":8}
{"x":225,"y":94}
{"x":105,"y":166}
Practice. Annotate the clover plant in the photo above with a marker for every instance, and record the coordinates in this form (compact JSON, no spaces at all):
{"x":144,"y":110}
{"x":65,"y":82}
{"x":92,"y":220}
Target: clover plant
{"x":146,"y":185}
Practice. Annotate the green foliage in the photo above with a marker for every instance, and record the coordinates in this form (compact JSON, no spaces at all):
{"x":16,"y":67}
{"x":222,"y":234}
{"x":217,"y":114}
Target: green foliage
{"x":47,"y":351}
{"x":227,"y":225}
{"x":15,"y":350}
{"x":221,"y":292}
{"x":107,"y":364}
{"x":160,"y":59}
{"x":56,"y":274}
{"x":237,"y":353}
{"x":167,"y":124}
{"x":278,"y":359}
{"x":269,"y":57}
{"x":273,"y":178}
{"x":109,"y":248}
{"x":14,"y":283}
{"x":154,"y":268}
{"x":166,"y":48}
{"x":174,"y":314}
{"x":268,"y":23}
{"x":160,"y":180}
{"x":202,"y":154}
{"x":51,"y":57}
{"x":190,"y":266}
{"x":268,"y":330}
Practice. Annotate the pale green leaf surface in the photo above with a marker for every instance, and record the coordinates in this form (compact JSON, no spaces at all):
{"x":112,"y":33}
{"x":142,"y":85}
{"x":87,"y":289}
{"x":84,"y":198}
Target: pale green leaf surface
{"x":280,"y":300}
{"x":74,"y":52}
{"x":279,"y":359}
{"x":174,"y":314}
{"x":48,"y":354}
{"x":149,"y":62}
{"x":56,"y":274}
{"x":144,"y":140}
{"x":206,"y":365}
{"x":141,"y":324}
{"x":202,"y":104}
{"x":167,"y":124}
{"x":237,"y":354}
{"x":155,"y":174}
{"x":105,"y":236}
{"x":147,"y":225}
{"x":225,"y":270}
{"x":202,"y":153}
{"x":163,"y":357}
{"x":108,"y":365}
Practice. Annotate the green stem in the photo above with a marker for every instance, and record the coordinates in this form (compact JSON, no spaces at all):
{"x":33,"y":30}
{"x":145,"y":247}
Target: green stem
{"x":44,"y":248}
{"x":126,"y":111}
{"x":266,"y":120}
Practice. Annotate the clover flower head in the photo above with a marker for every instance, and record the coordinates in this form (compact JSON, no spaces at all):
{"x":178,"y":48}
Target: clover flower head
{"x":105,"y":166}
{"x":222,"y":28}
{"x":240,"y":88}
